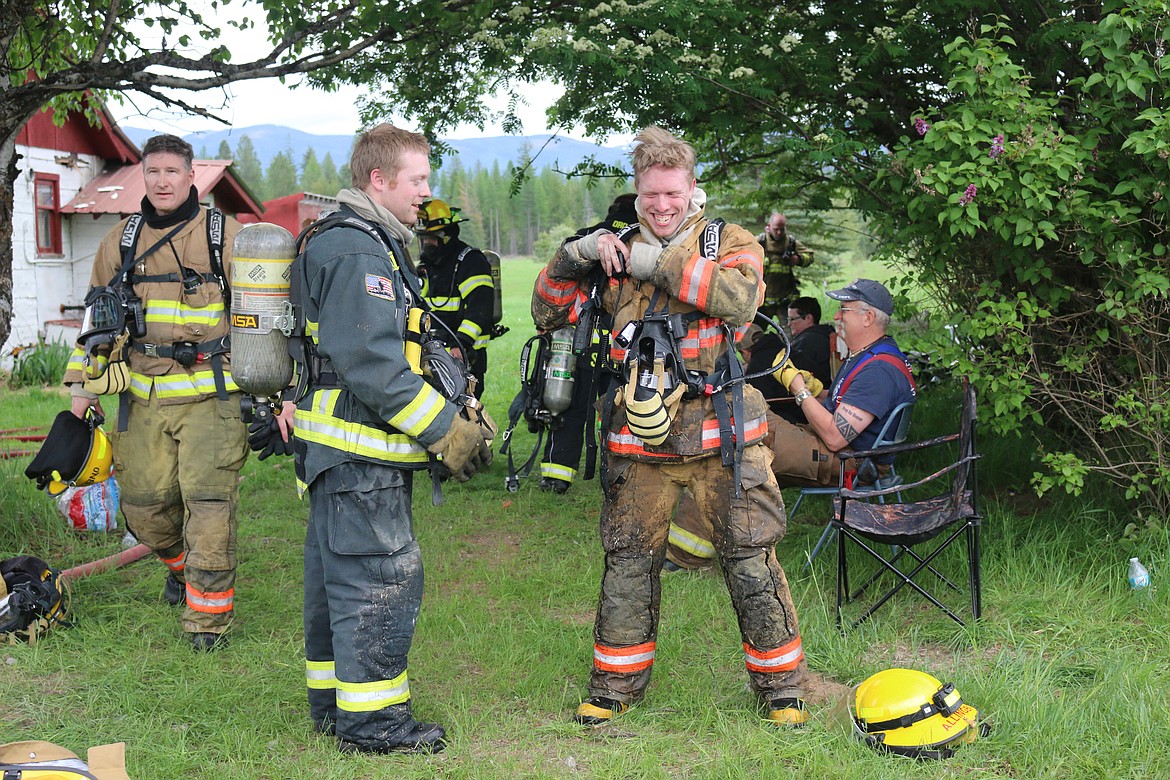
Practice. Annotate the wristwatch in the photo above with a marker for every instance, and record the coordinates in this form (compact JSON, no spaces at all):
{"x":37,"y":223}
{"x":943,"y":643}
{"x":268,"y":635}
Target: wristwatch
{"x":803,"y":396}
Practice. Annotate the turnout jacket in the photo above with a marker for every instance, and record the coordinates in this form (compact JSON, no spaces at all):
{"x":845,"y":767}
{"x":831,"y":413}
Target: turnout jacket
{"x":172,"y":315}
{"x":723,"y":289}
{"x":460,"y":293}
{"x":369,"y":406}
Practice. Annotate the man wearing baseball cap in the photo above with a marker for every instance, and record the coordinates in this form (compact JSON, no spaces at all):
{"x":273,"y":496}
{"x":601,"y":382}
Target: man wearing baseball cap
{"x":848,"y":414}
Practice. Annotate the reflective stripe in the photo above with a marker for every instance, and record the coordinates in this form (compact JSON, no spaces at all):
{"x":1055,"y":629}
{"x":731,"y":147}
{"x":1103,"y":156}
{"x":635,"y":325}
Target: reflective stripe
{"x":177,"y":563}
{"x":731,"y":261}
{"x":420,"y":412}
{"x":555,"y":293}
{"x":623,"y":660}
{"x":319,"y":675}
{"x":319,"y":425}
{"x":625,"y":443}
{"x":696,"y":281}
{"x":370,"y":696}
{"x":557,"y":471}
{"x":473,"y":332}
{"x":783,"y":659}
{"x":180,"y":314}
{"x":211,"y":602}
{"x":184,"y":385}
{"x":689,"y":542}
{"x":474,"y":282}
{"x":704,"y":334}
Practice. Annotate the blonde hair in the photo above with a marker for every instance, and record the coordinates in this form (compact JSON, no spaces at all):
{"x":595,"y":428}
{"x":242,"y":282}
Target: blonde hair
{"x":655,"y":146}
{"x":382,"y":148}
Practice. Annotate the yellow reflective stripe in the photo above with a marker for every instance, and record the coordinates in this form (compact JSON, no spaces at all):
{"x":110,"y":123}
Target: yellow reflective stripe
{"x":179,"y":313}
{"x":96,"y":367}
{"x":471,"y":330}
{"x":688,"y":542}
{"x":557,"y":471}
{"x":420,"y":412}
{"x":311,"y":328}
{"x":183,"y":385}
{"x":474,"y":282}
{"x":370,"y":696}
{"x":319,"y":425}
{"x":445,"y":304}
{"x":319,"y":675}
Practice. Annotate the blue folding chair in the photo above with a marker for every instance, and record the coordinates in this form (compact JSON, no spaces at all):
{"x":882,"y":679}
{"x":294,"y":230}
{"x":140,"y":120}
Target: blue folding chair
{"x":895,"y":431}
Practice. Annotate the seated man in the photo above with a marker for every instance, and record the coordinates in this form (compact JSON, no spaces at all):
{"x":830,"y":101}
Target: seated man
{"x":848,"y":414}
{"x":810,"y":352}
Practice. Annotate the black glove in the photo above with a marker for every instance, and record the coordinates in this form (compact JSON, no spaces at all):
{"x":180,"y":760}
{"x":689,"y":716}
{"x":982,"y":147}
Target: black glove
{"x":264,"y":437}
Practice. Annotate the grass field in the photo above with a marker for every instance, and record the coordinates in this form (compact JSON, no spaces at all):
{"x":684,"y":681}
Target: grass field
{"x":1070,"y":666}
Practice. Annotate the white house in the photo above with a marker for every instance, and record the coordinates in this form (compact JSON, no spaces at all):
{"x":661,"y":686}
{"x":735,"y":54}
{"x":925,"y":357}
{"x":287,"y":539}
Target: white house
{"x":75,"y":183}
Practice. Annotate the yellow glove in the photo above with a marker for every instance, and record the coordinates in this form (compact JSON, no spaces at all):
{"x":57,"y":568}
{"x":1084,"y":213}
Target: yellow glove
{"x":814,"y":385}
{"x":463,"y":449}
{"x":784,"y":369}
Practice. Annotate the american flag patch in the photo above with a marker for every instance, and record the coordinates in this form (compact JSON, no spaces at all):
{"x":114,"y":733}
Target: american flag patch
{"x":379,"y":287}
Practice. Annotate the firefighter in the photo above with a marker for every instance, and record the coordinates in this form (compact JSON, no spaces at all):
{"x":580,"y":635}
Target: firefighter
{"x":782,"y":253}
{"x":365,"y":424}
{"x":562,"y":450}
{"x":663,"y":434}
{"x":180,"y":442}
{"x":457,"y":283}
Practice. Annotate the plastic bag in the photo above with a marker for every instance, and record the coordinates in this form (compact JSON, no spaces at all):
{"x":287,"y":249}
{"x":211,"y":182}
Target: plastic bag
{"x":91,"y":507}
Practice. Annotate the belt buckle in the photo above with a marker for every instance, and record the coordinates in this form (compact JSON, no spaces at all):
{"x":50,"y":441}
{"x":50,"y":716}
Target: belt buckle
{"x":151,"y":350}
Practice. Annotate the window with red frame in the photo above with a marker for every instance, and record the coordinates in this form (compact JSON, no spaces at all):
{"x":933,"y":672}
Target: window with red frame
{"x":48,"y":207}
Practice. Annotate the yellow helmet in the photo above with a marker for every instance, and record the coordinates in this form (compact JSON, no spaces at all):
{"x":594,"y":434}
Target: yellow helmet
{"x":435,"y":215}
{"x":75,"y":453}
{"x":912,"y":714}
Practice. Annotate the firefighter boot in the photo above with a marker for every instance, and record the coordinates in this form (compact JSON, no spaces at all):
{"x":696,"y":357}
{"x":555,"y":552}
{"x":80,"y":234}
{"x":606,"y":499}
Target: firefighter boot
{"x":787,"y":711}
{"x":174,"y":591}
{"x":421,"y":738}
{"x":597,"y":710}
{"x":207,"y":642}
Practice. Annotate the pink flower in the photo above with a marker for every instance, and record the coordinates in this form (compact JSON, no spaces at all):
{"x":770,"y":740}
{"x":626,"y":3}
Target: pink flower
{"x":968,"y":195}
{"x":996,"y":147}
{"x":921,"y":125}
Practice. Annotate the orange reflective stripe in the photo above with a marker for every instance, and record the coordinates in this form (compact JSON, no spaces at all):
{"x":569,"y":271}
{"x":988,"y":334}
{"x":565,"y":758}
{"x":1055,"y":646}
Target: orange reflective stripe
{"x":555,"y":293}
{"x":624,"y":442}
{"x":783,"y":659}
{"x":623,"y":660}
{"x":213,"y":603}
{"x":177,"y":563}
{"x":696,"y":281}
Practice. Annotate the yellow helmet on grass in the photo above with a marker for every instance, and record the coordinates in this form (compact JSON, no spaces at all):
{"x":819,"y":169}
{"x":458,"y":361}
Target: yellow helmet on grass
{"x":75,"y":453}
{"x":911,"y":713}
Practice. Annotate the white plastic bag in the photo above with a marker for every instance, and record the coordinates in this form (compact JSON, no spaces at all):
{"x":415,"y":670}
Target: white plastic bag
{"x":91,"y":507}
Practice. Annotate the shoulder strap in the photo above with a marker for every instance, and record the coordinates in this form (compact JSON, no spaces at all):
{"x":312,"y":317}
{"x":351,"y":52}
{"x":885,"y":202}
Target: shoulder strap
{"x":215,"y":227}
{"x":887,"y":353}
{"x":712,"y":234}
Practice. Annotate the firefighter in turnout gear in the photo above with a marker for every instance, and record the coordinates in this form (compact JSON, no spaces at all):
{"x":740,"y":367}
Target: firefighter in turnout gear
{"x":365,"y":424}
{"x":782,"y":253}
{"x":457,"y":283}
{"x":679,"y":420}
{"x":180,"y":442}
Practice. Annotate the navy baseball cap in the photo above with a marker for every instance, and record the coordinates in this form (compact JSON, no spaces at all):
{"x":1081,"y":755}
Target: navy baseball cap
{"x":868,"y":291}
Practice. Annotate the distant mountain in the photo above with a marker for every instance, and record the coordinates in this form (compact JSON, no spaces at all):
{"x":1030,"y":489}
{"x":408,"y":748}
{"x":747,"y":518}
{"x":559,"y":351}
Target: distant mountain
{"x":269,"y":140}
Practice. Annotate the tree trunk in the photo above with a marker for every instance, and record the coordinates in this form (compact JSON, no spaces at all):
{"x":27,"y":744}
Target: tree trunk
{"x":8,"y":173}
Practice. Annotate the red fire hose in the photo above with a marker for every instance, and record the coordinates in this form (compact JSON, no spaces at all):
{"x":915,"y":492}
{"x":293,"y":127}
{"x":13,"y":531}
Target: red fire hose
{"x":109,"y":562}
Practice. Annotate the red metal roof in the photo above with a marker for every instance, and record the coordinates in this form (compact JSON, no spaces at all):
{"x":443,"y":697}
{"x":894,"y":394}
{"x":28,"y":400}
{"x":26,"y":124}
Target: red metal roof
{"x":76,"y":135}
{"x":120,"y":191}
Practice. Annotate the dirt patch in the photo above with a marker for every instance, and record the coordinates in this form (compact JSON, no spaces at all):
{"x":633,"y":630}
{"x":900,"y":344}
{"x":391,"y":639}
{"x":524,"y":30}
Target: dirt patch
{"x":820,"y":690}
{"x":497,"y":550}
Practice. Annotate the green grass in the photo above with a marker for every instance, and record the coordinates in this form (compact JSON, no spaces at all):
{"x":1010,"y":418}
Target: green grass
{"x":1070,"y":666}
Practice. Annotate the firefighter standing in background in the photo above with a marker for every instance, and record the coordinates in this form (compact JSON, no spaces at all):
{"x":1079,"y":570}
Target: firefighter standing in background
{"x":782,"y":253}
{"x":457,"y":283}
{"x":180,"y":443}
{"x":364,"y":426}
{"x":562,"y":450}
{"x":649,"y":461}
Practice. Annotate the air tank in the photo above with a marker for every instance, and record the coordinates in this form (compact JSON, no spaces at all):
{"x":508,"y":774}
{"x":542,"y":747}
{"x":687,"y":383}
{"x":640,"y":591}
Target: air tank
{"x":558,"y":377}
{"x":262,"y":318}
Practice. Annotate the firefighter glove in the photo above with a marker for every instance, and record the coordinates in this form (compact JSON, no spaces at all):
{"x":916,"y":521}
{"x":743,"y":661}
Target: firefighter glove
{"x":462,"y":450}
{"x":643,"y":260}
{"x":264,"y":437}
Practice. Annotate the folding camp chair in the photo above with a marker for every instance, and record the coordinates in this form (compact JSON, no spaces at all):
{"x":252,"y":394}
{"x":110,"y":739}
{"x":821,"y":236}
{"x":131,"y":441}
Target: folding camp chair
{"x":895,"y":431}
{"x":911,"y":526}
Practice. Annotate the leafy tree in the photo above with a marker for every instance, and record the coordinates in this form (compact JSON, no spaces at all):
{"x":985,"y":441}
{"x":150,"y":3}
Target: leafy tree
{"x":247,"y":163}
{"x":281,"y":176}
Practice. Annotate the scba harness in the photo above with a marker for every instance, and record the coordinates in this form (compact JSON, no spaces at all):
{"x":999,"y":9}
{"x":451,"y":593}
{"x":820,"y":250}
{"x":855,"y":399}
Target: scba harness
{"x":33,"y":599}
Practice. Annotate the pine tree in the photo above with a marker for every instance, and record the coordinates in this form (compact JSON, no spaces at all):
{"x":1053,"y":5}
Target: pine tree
{"x":281,"y":177}
{"x":248,"y":168}
{"x":225,"y":151}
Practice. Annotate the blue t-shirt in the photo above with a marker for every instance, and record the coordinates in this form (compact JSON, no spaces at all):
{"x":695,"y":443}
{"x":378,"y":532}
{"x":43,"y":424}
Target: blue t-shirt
{"x":877,"y":387}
